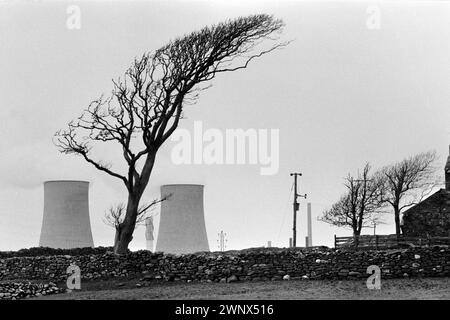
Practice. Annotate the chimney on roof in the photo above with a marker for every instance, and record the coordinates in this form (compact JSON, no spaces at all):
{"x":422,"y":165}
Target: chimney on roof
{"x":447,"y":173}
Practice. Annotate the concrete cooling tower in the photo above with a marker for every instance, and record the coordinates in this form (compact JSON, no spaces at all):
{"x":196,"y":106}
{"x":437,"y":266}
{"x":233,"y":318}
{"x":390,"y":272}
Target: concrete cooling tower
{"x":66,"y":221}
{"x":182,"y":222}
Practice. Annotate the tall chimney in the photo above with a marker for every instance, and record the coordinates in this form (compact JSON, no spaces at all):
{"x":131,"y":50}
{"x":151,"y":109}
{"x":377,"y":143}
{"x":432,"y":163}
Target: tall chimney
{"x":309,"y":225}
{"x":447,"y":173}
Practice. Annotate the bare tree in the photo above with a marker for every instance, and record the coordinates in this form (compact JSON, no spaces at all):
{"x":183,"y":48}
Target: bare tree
{"x":360,"y":206}
{"x":115,"y":215}
{"x":408,"y":182}
{"x":146,"y":107}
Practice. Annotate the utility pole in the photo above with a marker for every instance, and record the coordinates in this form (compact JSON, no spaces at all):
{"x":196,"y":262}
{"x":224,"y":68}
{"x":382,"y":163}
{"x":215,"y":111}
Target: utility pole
{"x":295,"y":207}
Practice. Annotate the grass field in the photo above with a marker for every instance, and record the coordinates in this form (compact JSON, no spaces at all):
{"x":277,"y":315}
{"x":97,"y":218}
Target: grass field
{"x":427,"y":288}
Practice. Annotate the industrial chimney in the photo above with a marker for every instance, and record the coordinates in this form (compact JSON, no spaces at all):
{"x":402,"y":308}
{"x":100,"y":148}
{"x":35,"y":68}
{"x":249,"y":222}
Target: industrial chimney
{"x":66,"y":221}
{"x":149,"y":233}
{"x":309,"y":223}
{"x":182,"y":222}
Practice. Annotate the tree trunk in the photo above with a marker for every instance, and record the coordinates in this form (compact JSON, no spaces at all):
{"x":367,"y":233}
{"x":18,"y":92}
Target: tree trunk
{"x":397,"y":221}
{"x":125,"y":235}
{"x":134,"y":197}
{"x":124,"y":240}
{"x":356,"y":234}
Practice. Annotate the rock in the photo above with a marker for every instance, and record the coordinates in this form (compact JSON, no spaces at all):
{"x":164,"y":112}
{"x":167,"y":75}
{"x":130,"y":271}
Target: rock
{"x":287,"y":277}
{"x":170,"y":278}
{"x":321,"y":261}
{"x":233,"y":278}
{"x":343,"y":272}
{"x":416,"y":256}
{"x":20,"y":290}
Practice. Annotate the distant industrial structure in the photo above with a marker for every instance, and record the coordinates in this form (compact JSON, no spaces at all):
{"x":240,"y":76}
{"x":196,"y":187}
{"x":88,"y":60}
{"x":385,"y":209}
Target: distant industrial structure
{"x":149,"y":233}
{"x":308,"y":242}
{"x":222,"y":241}
{"x":66,"y":222}
{"x":431,"y":217}
{"x":182,"y":222}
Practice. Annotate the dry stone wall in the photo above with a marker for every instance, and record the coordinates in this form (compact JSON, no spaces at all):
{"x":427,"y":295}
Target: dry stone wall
{"x":21,"y":290}
{"x":248,"y":265}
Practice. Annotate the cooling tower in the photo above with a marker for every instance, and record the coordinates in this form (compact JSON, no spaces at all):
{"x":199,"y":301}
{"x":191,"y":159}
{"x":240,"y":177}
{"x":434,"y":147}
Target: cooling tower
{"x":66,"y":221}
{"x":182,"y":221}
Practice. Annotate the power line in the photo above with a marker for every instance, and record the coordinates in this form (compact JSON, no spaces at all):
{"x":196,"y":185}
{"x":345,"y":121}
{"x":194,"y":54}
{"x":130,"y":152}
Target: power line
{"x":285,"y":211}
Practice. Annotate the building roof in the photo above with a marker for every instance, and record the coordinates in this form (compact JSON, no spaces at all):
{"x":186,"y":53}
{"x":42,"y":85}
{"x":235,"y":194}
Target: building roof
{"x":437,"y":202}
{"x":447,"y":165}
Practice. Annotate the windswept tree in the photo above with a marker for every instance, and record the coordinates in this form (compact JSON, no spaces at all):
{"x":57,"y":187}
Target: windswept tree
{"x":408,"y":182}
{"x":145,"y":107}
{"x":360,"y":206}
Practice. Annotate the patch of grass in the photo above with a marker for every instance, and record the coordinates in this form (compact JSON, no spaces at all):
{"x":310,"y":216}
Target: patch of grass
{"x":423,"y":288}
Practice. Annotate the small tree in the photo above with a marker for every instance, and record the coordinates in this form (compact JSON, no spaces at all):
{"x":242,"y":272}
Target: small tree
{"x":116,"y":214}
{"x":145,"y":108}
{"x":408,"y":182}
{"x":360,"y":206}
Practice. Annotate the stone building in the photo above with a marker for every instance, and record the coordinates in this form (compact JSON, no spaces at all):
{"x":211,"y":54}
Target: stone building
{"x":431,"y":217}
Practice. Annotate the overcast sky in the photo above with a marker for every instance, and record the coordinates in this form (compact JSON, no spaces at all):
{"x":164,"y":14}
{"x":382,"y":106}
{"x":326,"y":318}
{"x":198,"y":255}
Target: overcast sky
{"x":341,"y":94}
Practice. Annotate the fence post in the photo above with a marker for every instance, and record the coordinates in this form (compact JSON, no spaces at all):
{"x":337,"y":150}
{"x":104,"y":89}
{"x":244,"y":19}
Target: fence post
{"x":335,"y":242}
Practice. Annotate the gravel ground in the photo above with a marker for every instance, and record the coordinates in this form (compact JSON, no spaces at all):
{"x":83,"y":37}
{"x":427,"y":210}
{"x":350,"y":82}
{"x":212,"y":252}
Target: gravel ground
{"x":426,"y":288}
